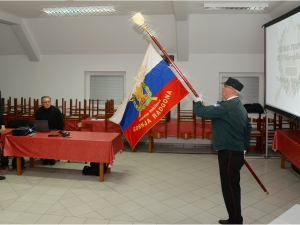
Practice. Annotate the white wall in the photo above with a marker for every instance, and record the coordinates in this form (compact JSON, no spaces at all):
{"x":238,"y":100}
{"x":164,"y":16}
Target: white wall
{"x":62,"y":76}
{"x":58,"y":76}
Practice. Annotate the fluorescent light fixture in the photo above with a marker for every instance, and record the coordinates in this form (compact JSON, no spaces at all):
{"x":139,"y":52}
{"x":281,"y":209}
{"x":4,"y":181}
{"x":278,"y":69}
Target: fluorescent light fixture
{"x":236,"y":6}
{"x":78,"y":11}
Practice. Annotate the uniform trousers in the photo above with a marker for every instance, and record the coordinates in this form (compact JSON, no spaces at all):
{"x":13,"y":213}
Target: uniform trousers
{"x":230,"y":164}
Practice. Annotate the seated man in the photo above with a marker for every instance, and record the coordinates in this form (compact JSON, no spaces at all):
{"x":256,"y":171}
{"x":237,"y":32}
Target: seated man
{"x":54,"y":117}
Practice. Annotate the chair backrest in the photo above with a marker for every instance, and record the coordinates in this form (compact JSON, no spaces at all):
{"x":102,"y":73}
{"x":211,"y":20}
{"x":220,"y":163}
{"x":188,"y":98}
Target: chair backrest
{"x":63,"y":113}
{"x":186,"y":116}
{"x":159,"y":133}
{"x":257,"y":139}
{"x":295,"y":125}
{"x":97,"y":111}
{"x":163,"y":133}
{"x":109,"y":112}
{"x":256,"y":123}
{"x":2,"y":104}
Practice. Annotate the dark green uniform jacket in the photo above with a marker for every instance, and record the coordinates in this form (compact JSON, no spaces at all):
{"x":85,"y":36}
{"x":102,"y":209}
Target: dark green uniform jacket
{"x":231,"y":129}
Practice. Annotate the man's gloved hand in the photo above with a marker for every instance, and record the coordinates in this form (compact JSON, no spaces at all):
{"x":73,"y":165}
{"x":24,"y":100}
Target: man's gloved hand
{"x":198,"y":99}
{"x":245,"y":153}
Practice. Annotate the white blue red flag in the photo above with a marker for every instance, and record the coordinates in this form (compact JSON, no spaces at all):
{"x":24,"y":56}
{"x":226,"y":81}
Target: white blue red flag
{"x":154,"y":93}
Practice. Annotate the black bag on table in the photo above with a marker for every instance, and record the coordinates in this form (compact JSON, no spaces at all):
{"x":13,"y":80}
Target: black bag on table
{"x":93,"y":169}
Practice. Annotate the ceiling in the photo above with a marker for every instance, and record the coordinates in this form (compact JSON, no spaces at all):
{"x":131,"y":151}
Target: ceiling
{"x":18,"y":14}
{"x":32,"y":9}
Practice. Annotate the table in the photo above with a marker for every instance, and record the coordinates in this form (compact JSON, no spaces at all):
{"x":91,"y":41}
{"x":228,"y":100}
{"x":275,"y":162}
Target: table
{"x":80,"y":146}
{"x":288,"y":143}
{"x":4,"y":133}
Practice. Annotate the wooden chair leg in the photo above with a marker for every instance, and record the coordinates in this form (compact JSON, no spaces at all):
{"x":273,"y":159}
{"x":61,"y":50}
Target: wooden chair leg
{"x":150,"y":144}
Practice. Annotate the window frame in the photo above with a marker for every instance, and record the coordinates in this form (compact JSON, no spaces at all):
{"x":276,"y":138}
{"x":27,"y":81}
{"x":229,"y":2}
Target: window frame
{"x":87,"y":80}
{"x":238,"y":75}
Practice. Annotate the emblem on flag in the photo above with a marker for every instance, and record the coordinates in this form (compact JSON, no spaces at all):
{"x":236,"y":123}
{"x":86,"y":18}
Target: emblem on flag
{"x":155,"y":92}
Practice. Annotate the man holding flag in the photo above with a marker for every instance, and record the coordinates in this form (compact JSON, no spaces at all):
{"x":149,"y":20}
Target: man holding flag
{"x":155,"y":92}
{"x":231,"y":133}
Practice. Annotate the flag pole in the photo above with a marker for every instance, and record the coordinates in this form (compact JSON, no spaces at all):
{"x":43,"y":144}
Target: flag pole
{"x":257,"y":179}
{"x":139,"y":20}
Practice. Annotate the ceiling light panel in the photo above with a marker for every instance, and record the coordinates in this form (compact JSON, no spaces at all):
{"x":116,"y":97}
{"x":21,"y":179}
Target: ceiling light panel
{"x":253,"y":7}
{"x":78,"y":11}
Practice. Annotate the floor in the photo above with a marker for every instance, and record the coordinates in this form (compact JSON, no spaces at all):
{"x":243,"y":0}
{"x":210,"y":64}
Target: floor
{"x":172,"y":185}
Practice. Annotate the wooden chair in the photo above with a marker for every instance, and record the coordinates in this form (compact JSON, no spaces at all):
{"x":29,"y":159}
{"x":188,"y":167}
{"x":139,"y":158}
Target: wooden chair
{"x":109,"y":112}
{"x":74,"y":114}
{"x":59,"y":106}
{"x":26,"y":110}
{"x":12,"y":109}
{"x":272,"y":124}
{"x":6,"y":108}
{"x":86,"y":109}
{"x":284,"y":123}
{"x":294,"y":125}
{"x":257,"y":134}
{"x":75,"y":110}
{"x":98,"y":110}
{"x":159,"y":134}
{"x":35,"y":106}
{"x":3,"y":103}
{"x":183,"y":117}
{"x":64,"y":112}
{"x":79,"y":125}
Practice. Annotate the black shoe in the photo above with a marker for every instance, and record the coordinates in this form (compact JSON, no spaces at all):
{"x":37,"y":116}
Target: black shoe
{"x":46,"y":162}
{"x":52,"y":162}
{"x":228,"y":222}
{"x":224,"y":222}
{"x":2,"y":177}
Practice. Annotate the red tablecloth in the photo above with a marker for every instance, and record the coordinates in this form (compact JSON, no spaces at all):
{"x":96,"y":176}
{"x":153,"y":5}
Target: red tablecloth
{"x":288,"y":143}
{"x":81,"y":146}
{"x":70,"y":124}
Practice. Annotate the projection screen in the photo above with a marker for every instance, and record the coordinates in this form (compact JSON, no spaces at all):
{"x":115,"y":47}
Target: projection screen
{"x":282,"y":65}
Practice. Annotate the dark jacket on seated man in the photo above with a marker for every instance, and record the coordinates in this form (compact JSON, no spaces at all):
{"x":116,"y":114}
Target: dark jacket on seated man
{"x":53,"y":115}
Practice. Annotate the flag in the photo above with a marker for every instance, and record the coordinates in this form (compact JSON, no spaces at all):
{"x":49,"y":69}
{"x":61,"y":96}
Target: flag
{"x":154,"y":93}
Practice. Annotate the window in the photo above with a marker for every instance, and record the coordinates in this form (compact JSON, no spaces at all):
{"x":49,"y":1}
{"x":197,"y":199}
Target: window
{"x":105,"y":85}
{"x":253,"y":86}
